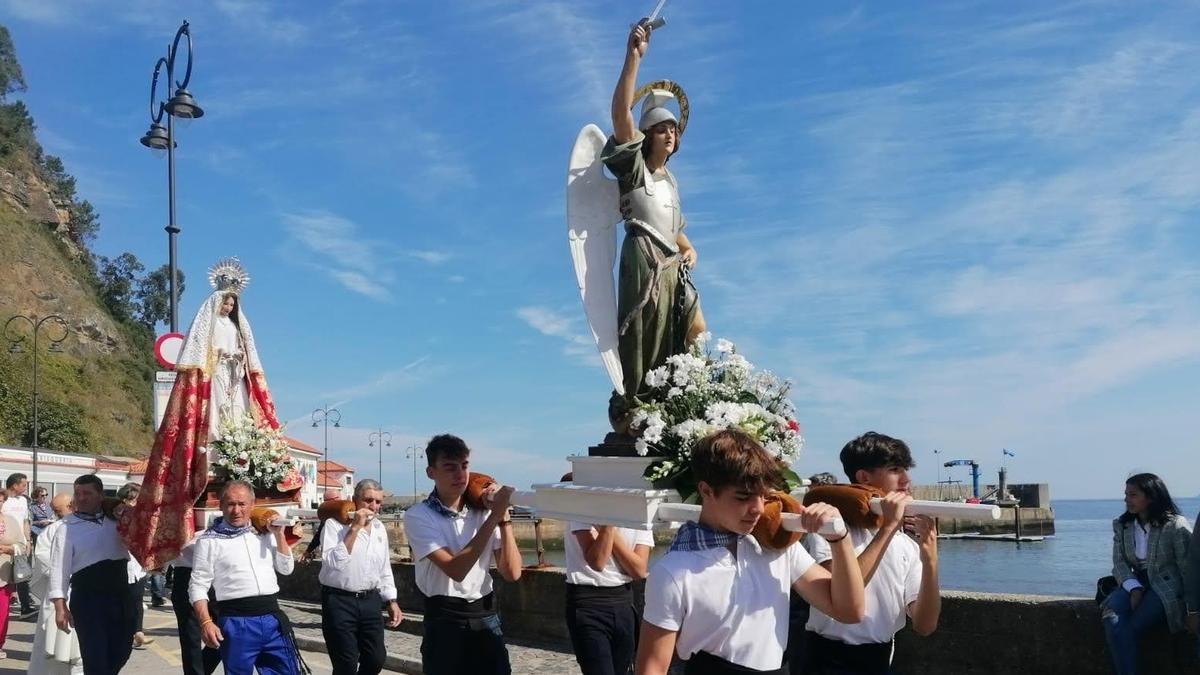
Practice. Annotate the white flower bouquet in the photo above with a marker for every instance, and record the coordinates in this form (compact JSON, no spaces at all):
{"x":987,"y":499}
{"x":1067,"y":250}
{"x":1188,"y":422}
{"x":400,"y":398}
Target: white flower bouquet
{"x":253,"y":453}
{"x":706,"y":390}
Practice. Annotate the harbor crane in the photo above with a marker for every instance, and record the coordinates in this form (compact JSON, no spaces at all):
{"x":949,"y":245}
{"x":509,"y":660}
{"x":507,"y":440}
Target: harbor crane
{"x":974,"y":472}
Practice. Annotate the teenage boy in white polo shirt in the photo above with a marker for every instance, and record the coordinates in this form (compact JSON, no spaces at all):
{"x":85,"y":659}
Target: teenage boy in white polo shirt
{"x":453,"y":545}
{"x":602,"y":563}
{"x":720,"y":599}
{"x":900,"y":574}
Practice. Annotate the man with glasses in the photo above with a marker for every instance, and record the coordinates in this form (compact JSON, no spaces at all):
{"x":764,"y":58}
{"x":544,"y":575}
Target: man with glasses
{"x":356,"y":580}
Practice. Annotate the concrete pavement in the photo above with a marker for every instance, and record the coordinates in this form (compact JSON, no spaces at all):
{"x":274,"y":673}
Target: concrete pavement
{"x":162,"y":656}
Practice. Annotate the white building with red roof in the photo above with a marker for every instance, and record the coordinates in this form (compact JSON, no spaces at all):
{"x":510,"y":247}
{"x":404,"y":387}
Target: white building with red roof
{"x":335,"y":481}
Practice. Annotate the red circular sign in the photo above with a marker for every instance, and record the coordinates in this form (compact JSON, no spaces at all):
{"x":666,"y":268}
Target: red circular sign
{"x":167,"y":348}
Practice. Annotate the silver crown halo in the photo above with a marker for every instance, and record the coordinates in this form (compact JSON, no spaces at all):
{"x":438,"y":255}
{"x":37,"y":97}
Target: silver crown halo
{"x":681,"y":98}
{"x":228,"y":275}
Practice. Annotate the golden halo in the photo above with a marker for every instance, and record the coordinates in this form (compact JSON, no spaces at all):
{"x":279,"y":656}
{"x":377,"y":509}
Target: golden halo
{"x":674,"y":89}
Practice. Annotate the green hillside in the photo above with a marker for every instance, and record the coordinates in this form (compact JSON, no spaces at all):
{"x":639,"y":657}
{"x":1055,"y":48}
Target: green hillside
{"x":95,"y":395}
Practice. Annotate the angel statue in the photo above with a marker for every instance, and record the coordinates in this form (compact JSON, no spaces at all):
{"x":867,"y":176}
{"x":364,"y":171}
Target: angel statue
{"x":218,"y":377}
{"x":654,"y":310}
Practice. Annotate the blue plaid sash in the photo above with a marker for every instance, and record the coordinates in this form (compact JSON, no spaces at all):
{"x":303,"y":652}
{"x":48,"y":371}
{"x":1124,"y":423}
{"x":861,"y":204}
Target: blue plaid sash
{"x":434,"y":502}
{"x":220,"y":528}
{"x":696,"y":537}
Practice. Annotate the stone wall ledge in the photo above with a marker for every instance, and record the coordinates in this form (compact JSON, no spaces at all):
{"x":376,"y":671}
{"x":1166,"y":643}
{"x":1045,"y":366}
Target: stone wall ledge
{"x":979,"y":633}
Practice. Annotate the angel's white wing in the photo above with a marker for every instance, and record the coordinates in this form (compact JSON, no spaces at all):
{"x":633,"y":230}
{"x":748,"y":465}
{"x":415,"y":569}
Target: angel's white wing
{"x":592,"y":216}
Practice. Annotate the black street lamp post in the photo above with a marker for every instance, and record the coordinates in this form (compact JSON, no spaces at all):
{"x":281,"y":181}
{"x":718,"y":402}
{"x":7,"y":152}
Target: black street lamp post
{"x":160,"y":138}
{"x":325,"y":416}
{"x":14,"y":347}
{"x":382,"y":438}
{"x":414,"y":453}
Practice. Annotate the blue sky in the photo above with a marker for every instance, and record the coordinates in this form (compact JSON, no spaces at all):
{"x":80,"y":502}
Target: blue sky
{"x":974,"y":226}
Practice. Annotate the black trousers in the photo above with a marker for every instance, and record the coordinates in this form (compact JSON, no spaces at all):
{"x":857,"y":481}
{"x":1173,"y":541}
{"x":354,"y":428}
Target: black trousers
{"x":603,"y":628}
{"x":136,"y":591}
{"x":457,"y":644}
{"x":352,"y":624}
{"x":104,"y":624}
{"x":26,"y":598}
{"x":197,"y":659}
{"x":703,"y":663}
{"x":833,"y":657}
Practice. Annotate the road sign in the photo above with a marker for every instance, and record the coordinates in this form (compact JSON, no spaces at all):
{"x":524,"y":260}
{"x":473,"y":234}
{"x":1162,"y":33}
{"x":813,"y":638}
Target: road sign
{"x":167,"y":348}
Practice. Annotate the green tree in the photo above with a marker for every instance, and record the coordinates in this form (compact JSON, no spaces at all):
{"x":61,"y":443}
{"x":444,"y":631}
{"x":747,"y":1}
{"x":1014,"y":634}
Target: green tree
{"x":60,"y":427}
{"x":154,"y":296}
{"x":12,"y":79}
{"x":16,"y":130}
{"x":118,"y":281}
{"x":61,"y":183}
{"x":84,"y":223}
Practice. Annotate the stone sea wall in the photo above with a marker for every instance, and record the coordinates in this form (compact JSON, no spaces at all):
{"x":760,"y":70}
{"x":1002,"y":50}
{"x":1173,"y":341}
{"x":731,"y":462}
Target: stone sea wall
{"x":979,"y":633}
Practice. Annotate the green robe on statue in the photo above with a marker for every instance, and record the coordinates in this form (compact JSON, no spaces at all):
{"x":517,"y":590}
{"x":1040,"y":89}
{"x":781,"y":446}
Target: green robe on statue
{"x":656,"y":300}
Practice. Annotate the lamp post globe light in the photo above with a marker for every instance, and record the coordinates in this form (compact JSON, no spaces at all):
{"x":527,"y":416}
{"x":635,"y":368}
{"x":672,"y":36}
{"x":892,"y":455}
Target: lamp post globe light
{"x":160,"y":138}
{"x":324,"y":416}
{"x":15,"y":340}
{"x":414,"y":453}
{"x":382,"y":438}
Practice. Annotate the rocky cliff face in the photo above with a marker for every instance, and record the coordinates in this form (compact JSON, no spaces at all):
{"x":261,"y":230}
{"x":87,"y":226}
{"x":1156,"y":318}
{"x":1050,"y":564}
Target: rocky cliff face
{"x":100,"y":373}
{"x":27,"y":194}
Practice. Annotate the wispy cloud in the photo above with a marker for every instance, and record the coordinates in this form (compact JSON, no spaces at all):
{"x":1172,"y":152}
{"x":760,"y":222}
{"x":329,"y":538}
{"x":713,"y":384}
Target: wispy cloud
{"x":243,"y":17}
{"x":340,"y":250}
{"x":986,"y":247}
{"x":259,"y":19}
{"x":561,"y":43}
{"x":37,"y":12}
{"x":431,"y":257}
{"x":578,"y":346}
{"x":403,"y":377}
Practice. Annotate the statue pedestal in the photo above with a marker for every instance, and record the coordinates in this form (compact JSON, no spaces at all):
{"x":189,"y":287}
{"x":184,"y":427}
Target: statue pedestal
{"x":605,"y":490}
{"x":598,"y":505}
{"x":611,"y":472}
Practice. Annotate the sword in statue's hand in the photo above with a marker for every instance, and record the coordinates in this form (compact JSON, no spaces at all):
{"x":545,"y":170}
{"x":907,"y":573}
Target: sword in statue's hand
{"x":654,"y":21}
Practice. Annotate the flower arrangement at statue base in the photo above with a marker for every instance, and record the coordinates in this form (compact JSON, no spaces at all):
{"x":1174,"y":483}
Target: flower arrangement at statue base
{"x":257,"y":454}
{"x":705,"y":390}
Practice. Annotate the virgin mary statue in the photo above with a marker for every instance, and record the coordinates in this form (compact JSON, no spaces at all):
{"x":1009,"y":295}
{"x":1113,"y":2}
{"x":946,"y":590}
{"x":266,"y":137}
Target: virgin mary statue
{"x":218,"y":377}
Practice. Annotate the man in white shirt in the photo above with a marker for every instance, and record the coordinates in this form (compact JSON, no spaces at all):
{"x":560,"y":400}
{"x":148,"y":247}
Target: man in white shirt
{"x":240,"y":566}
{"x":602,"y":563}
{"x":89,"y":559}
{"x":17,"y":506}
{"x":356,"y":579}
{"x":900,"y":574}
{"x":718,"y":598}
{"x":453,"y":545}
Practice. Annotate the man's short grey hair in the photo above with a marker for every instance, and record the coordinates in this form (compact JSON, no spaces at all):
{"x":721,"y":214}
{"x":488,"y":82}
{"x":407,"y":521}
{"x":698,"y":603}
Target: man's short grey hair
{"x":364,"y":485}
{"x":237,"y":484}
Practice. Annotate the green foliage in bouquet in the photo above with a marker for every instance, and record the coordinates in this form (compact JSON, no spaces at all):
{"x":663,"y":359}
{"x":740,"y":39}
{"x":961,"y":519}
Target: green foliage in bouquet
{"x":705,"y":390}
